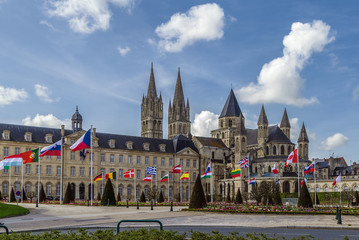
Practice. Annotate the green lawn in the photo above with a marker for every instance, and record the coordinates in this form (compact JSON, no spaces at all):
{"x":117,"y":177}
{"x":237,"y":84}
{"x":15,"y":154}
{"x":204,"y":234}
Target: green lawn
{"x":9,"y":210}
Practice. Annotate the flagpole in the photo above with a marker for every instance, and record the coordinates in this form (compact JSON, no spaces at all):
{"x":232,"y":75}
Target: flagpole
{"x":212,"y":182}
{"x":9,"y":182}
{"x":315,"y":188}
{"x":38,"y":183}
{"x":340,"y":194}
{"x":151,"y":187}
{"x":22,"y":183}
{"x":117,"y":177}
{"x":91,"y":181}
{"x":298,"y":178}
{"x":249,"y":177}
{"x":180,"y":185}
{"x":189,"y":185}
{"x":61,"y":180}
{"x":103,"y":176}
{"x":134,"y":182}
{"x":156,"y":184}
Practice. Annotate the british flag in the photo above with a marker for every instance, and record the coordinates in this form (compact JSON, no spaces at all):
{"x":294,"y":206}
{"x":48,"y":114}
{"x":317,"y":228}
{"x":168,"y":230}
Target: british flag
{"x":244,"y":163}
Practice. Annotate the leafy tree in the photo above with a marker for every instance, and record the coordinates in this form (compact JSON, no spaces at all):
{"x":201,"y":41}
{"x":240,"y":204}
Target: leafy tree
{"x":152,"y":194}
{"x":276,"y":196}
{"x":304,"y":198}
{"x":161,"y":198}
{"x":239,"y":199}
{"x":118,"y":197}
{"x":108,"y":195}
{"x":24,"y":198}
{"x":245,"y":196}
{"x":256,"y":195}
{"x":198,"y":199}
{"x":12,"y":195}
{"x":98,"y":196}
{"x":68,"y":194}
{"x":357,"y":198}
{"x":266,"y":192}
{"x":143,"y":197}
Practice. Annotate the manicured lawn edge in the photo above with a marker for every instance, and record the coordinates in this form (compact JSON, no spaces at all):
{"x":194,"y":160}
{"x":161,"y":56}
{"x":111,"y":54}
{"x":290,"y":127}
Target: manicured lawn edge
{"x":9,"y":210}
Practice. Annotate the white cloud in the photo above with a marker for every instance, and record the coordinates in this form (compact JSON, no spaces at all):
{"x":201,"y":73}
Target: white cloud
{"x":356,"y":93}
{"x":43,"y":94}
{"x":279,"y":80}
{"x":10,"y":95}
{"x":86,"y":16}
{"x":203,"y":22}
{"x":333,"y":142}
{"x":49,"y":25}
{"x":48,"y":120}
{"x":123,"y":51}
{"x":295,"y":129}
{"x":204,"y":123}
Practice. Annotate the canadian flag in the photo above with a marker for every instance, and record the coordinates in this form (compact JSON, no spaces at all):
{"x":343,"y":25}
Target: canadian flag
{"x":292,"y":158}
{"x":129,"y":174}
{"x":274,"y":170}
{"x":338,"y":179}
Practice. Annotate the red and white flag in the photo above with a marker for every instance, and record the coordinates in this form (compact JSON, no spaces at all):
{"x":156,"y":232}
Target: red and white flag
{"x":148,"y":178}
{"x":274,"y":170}
{"x":176,"y":169}
{"x":129,"y":174}
{"x":292,"y":158}
{"x":338,"y":179}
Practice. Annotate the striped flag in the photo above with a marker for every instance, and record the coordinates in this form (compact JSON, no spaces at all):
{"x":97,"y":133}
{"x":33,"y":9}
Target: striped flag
{"x":185,"y":176}
{"x":165,"y":178}
{"x":208,"y":172}
{"x":151,"y":170}
{"x":148,"y":178}
{"x":236,"y":173}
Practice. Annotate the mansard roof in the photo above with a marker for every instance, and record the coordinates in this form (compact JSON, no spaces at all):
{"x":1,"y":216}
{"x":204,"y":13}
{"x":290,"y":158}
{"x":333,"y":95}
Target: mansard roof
{"x":211,"y":142}
{"x":17,"y":133}
{"x":231,"y":107}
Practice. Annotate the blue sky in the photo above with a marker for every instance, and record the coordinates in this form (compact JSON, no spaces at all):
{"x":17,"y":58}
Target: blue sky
{"x":299,"y":55}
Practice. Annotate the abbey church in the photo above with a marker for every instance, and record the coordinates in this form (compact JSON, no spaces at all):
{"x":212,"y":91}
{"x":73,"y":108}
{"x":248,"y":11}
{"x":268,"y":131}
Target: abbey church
{"x":112,"y":152}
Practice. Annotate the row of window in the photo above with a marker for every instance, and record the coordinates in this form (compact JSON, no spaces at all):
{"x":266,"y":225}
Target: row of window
{"x":27,"y":188}
{"x":27,"y":136}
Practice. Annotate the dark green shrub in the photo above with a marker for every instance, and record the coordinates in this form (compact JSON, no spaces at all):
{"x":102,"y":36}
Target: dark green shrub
{"x":0,"y":196}
{"x":12,"y":195}
{"x":68,"y":194}
{"x":161,"y":198}
{"x":239,"y":199}
{"x":98,"y":196}
{"x":198,"y":199}
{"x":357,"y":198}
{"x":118,"y":197}
{"x":228,"y":198}
{"x":143,"y":197}
{"x":24,"y":197}
{"x":108,"y":196}
{"x":304,"y":198}
{"x":42,"y":194}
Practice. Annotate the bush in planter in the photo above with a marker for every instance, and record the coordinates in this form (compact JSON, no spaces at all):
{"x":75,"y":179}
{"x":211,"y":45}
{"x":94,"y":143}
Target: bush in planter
{"x":239,"y":199}
{"x":198,"y":199}
{"x":108,"y":196}
{"x":160,"y":198}
{"x":12,"y":195}
{"x":143,"y":197}
{"x":68,"y":194}
{"x":304,"y":198}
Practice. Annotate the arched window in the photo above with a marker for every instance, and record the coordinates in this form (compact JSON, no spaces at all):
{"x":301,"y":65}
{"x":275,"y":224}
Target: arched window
{"x":267,"y":150}
{"x":274,"y":150}
{"x":221,"y":123}
{"x":282,"y":150}
{"x":222,"y":135}
{"x":269,"y":169}
{"x":230,"y":123}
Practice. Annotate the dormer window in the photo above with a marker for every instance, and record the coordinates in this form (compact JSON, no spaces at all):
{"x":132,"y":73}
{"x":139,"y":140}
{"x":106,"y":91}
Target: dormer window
{"x":28,"y":137}
{"x":146,"y":146}
{"x":112,"y":143}
{"x":129,"y":145}
{"x":162,"y":147}
{"x":6,"y":135}
{"x":48,"y":138}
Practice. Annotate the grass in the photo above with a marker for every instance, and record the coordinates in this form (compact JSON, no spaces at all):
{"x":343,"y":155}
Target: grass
{"x":9,"y":210}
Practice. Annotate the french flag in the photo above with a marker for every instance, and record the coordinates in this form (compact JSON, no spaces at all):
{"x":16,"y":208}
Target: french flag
{"x":52,"y":150}
{"x":83,"y":142}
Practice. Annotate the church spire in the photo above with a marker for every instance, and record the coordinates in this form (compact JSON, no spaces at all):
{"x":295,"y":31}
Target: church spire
{"x":285,"y":121}
{"x":303,"y":137}
{"x":262,"y":117}
{"x":178,"y":99}
{"x":231,"y":107}
{"x":152,"y":92}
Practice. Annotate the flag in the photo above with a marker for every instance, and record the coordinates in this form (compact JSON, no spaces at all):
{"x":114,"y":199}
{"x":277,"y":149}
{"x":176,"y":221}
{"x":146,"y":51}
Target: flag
{"x":111,"y":175}
{"x":274,"y":170}
{"x":309,"y":169}
{"x":236,"y":173}
{"x":304,"y":180}
{"x":252,"y":181}
{"x":83,"y":154}
{"x":176,"y":169}
{"x":98,"y":178}
{"x":148,"y":178}
{"x":129,"y":174}
{"x":13,"y":160}
{"x":208,"y":172}
{"x":3,"y":166}
{"x":278,"y":181}
{"x":185,"y":176}
{"x":52,"y":150}
{"x":292,"y":158}
{"x":165,"y":178}
{"x":82,"y":142}
{"x":338,"y":179}
{"x":30,"y":156}
{"x":151,"y":170}
{"x":243,"y":162}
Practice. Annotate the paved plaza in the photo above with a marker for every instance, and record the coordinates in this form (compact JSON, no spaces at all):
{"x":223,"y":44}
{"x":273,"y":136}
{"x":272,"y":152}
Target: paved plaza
{"x":64,"y":217}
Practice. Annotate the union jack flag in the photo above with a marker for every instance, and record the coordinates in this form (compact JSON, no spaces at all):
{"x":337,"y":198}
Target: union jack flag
{"x":244,"y":163}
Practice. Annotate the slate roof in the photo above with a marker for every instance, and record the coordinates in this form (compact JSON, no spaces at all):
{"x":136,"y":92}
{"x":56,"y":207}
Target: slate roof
{"x":277,"y":136}
{"x":322,"y":165}
{"x":77,"y":115}
{"x":211,"y":142}
{"x":231,"y":107}
{"x":285,"y":121}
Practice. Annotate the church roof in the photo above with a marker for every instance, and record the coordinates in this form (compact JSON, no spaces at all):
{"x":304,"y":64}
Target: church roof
{"x":231,"y":107}
{"x":211,"y":142}
{"x":262,"y":117}
{"x":285,"y":121}
{"x":178,"y":99}
{"x":152,"y":92}
{"x":277,"y":136}
{"x":303,"y":137}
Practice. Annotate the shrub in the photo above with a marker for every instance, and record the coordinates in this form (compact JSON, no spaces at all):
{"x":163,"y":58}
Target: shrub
{"x":98,"y":196}
{"x":276,"y":198}
{"x":12,"y":195}
{"x":304,"y":198}
{"x":118,"y":197}
{"x":42,"y":194}
{"x":108,"y":196}
{"x":160,"y":198}
{"x":0,"y":196}
{"x":143,"y":197}
{"x":256,"y":195}
{"x":198,"y":199}
{"x":24,"y":198}
{"x":68,"y":193}
{"x":239,"y":199}
{"x":357,"y":198}
{"x":228,"y":199}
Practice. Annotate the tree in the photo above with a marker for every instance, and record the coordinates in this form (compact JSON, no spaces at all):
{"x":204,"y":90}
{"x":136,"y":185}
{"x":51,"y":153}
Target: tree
{"x":118,"y":197}
{"x":0,"y":196}
{"x":266,"y":192}
{"x":108,"y":196}
{"x":239,"y":199}
{"x":228,"y":199}
{"x":68,"y":194}
{"x":198,"y":199}
{"x":143,"y":197}
{"x":276,"y":196}
{"x":24,"y":198}
{"x":42,"y":194}
{"x":161,"y":198}
{"x":256,"y":195}
{"x":357,"y":198}
{"x":12,"y":195}
{"x":304,"y":198}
